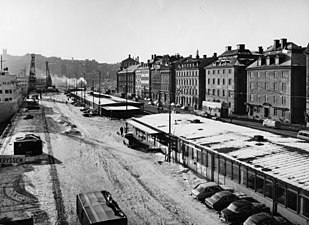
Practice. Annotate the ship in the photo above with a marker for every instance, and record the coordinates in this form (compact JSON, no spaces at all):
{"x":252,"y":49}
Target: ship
{"x":10,"y":95}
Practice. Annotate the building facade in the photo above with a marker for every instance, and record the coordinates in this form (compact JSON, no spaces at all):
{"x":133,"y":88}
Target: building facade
{"x":226,"y":79}
{"x":126,"y":81}
{"x":276,"y":84}
{"x":190,"y":80}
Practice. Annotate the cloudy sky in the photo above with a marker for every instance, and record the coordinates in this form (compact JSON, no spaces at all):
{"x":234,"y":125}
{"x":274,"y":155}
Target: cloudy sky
{"x":110,"y":30}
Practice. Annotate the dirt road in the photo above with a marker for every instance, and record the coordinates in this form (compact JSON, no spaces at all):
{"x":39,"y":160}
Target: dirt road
{"x":147,"y":189}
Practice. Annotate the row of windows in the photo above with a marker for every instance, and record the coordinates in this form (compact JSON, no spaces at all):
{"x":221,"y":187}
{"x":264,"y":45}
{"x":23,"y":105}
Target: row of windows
{"x":189,"y":91}
{"x":269,"y":74}
{"x":6,"y":91}
{"x":268,"y":98}
{"x":187,"y":73}
{"x":219,"y":92}
{"x":277,"y":112}
{"x":187,"y":81}
{"x":219,"y":81}
{"x":219,"y":71}
{"x":268,"y":86}
{"x":286,"y":195}
{"x":7,"y":99}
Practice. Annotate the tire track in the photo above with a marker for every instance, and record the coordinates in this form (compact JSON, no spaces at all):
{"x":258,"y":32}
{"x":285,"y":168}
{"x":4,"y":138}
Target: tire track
{"x":61,"y":218}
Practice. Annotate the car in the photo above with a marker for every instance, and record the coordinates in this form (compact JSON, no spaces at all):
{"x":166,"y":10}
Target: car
{"x":271,"y":123}
{"x":221,"y":200}
{"x":238,"y":211}
{"x":303,"y":134}
{"x":86,"y":114}
{"x":29,"y":116}
{"x":205,"y":190}
{"x":84,"y":109}
{"x":266,"y":218}
{"x":184,"y":107}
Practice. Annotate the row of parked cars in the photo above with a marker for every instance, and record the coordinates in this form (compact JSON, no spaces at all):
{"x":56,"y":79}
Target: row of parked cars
{"x":235,"y":207}
{"x":86,"y":111}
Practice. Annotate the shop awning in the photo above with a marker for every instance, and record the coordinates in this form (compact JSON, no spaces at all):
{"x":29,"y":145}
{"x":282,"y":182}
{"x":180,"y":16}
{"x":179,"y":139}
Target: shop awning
{"x":141,"y":127}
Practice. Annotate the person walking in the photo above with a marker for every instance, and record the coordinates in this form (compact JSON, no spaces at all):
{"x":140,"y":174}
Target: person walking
{"x":121,"y":131}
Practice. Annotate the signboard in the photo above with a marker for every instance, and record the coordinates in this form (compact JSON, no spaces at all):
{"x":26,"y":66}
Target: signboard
{"x":12,"y":159}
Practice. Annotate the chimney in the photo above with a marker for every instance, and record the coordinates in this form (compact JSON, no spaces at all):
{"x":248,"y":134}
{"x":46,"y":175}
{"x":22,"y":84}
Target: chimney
{"x":260,"y":49}
{"x":283,"y":42}
{"x":228,"y":48}
{"x":190,"y":56}
{"x":204,"y":56}
{"x":154,"y":56}
{"x":276,"y":44}
{"x":215,"y":55}
{"x":241,"y":47}
{"x":129,"y":56}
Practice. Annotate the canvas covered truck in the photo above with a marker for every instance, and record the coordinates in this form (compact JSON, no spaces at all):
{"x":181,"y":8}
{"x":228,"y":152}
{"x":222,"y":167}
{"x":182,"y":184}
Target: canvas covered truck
{"x":99,"y":208}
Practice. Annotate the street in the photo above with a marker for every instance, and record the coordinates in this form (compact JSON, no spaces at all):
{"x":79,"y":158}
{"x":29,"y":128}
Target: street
{"x":147,"y":189}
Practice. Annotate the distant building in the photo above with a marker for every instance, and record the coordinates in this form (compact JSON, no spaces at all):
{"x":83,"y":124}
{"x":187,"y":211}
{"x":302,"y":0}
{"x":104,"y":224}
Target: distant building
{"x":226,"y":78}
{"x":129,"y":62}
{"x":142,"y":81}
{"x":190,"y":80}
{"x":126,"y":81}
{"x":22,"y":82}
{"x":276,"y":84}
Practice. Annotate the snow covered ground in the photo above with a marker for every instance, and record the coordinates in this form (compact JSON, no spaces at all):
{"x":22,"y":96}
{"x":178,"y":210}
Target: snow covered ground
{"x":86,"y":154}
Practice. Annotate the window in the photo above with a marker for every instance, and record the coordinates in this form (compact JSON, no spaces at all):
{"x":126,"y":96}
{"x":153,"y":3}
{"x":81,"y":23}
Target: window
{"x":304,"y":203}
{"x":251,"y":179}
{"x":218,"y":92}
{"x":280,"y":189}
{"x":213,"y":81}
{"x":230,"y":81}
{"x":208,"y":80}
{"x":251,"y":85}
{"x":268,"y":188}
{"x":236,"y":172}
{"x":228,"y":168}
{"x":283,"y":113}
{"x":284,"y":87}
{"x":291,"y":198}
{"x":223,"y":92}
{"x":275,"y":112}
{"x":230,"y":71}
{"x":213,"y":72}
{"x":223,"y":81}
{"x":216,"y":163}
{"x":213,"y":91}
{"x":259,"y":184}
{"x":251,"y":97}
{"x":218,"y":81}
{"x":243,"y":175}
{"x":222,"y":166}
{"x":276,"y":86}
{"x":223,"y":71}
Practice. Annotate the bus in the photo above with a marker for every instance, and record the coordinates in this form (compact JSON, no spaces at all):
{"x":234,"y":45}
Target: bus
{"x":216,"y":109}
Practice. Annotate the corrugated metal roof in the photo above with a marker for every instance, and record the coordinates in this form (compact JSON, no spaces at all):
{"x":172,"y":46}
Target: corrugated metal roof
{"x":284,"y":158}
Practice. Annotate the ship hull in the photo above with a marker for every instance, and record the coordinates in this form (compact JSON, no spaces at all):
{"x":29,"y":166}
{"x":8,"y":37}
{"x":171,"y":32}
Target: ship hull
{"x":8,"y":109}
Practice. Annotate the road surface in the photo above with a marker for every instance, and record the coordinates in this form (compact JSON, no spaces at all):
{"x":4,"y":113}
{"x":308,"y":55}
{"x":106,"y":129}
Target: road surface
{"x":147,"y":189}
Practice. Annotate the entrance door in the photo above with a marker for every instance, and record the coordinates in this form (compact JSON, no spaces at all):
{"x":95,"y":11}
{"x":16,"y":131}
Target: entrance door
{"x":266,"y":112}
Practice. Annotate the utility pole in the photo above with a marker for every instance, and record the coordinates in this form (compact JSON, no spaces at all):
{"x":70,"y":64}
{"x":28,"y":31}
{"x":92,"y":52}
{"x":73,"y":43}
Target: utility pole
{"x":126,"y":129}
{"x":84,"y":89}
{"x":93,"y":94}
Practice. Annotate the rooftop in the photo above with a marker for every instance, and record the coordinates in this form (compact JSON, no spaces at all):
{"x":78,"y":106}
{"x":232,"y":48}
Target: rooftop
{"x":281,"y":157}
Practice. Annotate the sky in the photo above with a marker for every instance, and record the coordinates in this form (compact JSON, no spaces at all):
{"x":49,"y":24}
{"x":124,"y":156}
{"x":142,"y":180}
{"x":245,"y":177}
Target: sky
{"x":109,"y":30}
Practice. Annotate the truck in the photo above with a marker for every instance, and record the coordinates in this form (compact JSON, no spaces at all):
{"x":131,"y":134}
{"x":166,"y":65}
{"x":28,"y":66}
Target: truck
{"x":99,"y":208}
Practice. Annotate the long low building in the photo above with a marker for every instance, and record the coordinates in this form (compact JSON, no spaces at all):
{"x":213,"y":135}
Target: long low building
{"x":271,"y":168}
{"x":109,"y":105}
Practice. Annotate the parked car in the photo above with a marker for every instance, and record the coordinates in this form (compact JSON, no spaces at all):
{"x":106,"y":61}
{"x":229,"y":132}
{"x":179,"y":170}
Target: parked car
{"x":221,"y":200}
{"x":84,"y":109}
{"x":303,"y":134}
{"x":86,"y":114}
{"x":271,"y":123}
{"x":266,"y":218}
{"x":205,"y":190}
{"x":238,"y":211}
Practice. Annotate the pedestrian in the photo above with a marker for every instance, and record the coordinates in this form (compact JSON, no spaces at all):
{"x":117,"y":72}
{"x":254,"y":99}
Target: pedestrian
{"x":121,"y":131}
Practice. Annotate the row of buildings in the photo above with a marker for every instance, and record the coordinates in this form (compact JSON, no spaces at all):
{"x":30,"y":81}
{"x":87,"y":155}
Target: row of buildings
{"x":264,"y":83}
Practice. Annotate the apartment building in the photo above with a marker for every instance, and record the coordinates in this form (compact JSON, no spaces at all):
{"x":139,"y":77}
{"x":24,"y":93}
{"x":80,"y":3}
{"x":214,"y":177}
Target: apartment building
{"x":226,"y":78}
{"x":190,"y":80}
{"x":276,"y":84}
{"x":126,"y":81}
{"x":142,"y":81}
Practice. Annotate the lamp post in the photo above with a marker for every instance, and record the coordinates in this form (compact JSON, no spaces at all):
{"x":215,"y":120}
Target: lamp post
{"x":126,"y":128}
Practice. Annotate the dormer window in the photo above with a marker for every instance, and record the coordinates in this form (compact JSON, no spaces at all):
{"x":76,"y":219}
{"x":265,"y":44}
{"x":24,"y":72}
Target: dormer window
{"x":268,"y":60}
{"x":277,"y":60}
